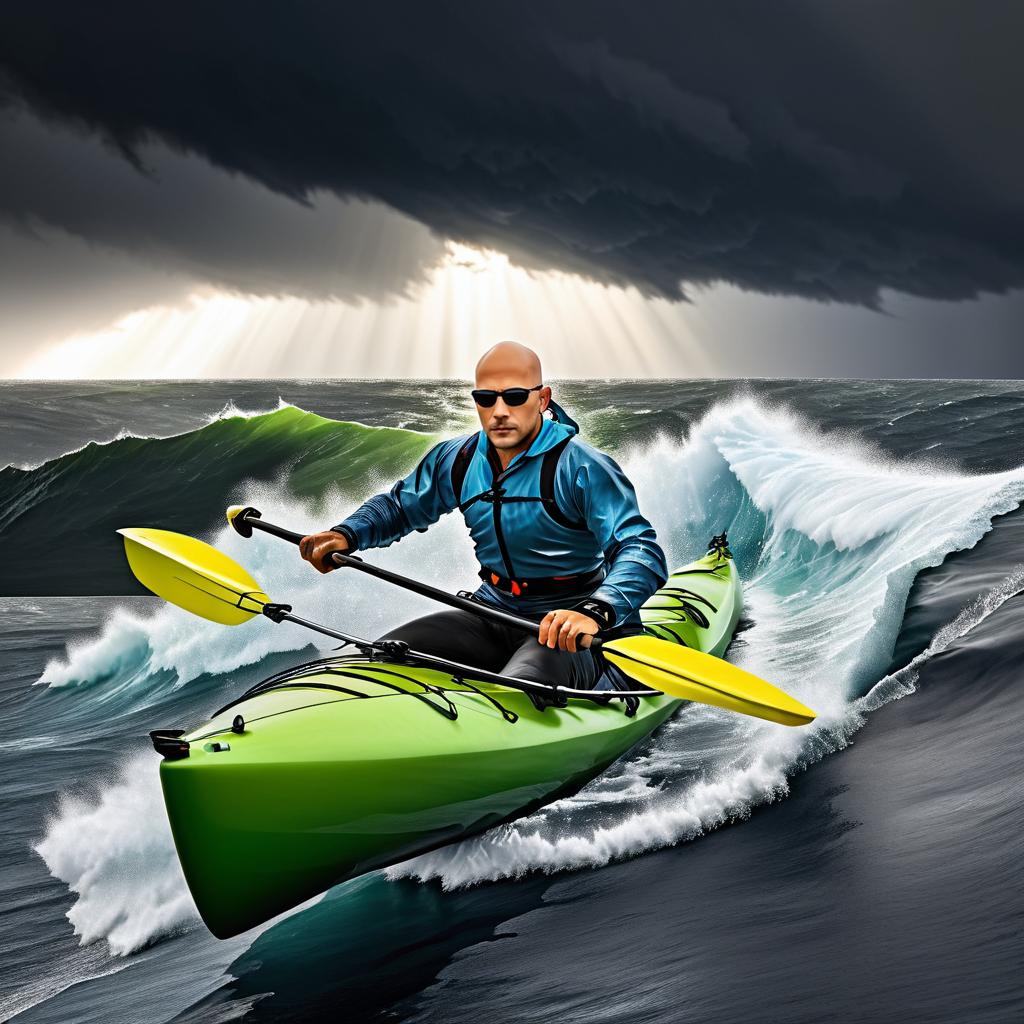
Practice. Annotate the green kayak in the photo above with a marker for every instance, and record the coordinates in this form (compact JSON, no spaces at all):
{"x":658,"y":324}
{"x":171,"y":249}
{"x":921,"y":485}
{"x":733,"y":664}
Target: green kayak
{"x":352,"y":764}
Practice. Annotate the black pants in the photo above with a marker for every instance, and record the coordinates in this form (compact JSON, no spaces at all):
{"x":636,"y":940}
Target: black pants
{"x":471,"y":640}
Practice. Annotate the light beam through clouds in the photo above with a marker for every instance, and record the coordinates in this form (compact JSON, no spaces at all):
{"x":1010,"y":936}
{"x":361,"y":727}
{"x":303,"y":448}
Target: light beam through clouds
{"x":581,"y":329}
{"x":475,"y":297}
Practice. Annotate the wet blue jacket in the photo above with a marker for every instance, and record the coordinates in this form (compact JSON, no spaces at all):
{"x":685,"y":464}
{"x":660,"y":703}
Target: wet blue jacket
{"x":596,"y":524}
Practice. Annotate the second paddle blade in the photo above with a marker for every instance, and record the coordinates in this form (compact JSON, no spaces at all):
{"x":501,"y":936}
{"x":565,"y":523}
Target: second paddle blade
{"x":692,"y":675}
{"x":193,"y":575}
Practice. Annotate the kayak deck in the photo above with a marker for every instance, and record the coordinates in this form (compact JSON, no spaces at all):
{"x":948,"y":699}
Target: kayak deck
{"x":360,"y":763}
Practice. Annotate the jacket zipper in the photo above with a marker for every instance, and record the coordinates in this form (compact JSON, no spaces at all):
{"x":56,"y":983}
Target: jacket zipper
{"x":496,"y":471}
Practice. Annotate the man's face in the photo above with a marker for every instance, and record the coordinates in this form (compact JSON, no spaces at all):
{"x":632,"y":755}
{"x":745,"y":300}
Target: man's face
{"x":509,"y":426}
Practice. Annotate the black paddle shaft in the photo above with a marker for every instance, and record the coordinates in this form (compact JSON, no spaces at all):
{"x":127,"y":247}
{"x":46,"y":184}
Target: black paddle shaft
{"x":250,"y":519}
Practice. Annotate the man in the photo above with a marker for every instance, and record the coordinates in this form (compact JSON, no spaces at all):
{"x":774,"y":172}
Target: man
{"x":555,"y":522}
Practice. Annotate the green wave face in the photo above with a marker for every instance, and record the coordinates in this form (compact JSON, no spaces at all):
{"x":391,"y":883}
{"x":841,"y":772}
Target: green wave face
{"x":58,"y":521}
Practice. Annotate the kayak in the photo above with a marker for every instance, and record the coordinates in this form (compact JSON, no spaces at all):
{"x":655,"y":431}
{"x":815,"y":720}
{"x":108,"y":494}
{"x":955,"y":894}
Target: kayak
{"x":351,"y":763}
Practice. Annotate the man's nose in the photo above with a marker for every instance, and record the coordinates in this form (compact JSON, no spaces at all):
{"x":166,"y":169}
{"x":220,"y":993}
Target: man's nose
{"x":500,"y":408}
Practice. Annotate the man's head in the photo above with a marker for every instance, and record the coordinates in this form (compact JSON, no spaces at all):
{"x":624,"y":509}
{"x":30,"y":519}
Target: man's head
{"x":511,"y":365}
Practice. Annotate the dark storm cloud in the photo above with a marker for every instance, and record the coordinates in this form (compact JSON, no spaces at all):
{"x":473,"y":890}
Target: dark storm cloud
{"x":827,"y":150}
{"x":182,"y":217}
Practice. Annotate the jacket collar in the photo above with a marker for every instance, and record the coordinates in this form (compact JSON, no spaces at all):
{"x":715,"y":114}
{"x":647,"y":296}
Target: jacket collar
{"x":551,"y":432}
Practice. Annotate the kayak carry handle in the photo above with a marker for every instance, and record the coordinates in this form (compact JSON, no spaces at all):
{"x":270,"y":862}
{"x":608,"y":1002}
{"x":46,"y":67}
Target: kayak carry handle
{"x":169,"y":744}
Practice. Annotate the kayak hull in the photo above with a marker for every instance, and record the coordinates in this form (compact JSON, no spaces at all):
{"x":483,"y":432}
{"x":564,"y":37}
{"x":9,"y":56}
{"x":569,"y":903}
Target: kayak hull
{"x":358,"y":766}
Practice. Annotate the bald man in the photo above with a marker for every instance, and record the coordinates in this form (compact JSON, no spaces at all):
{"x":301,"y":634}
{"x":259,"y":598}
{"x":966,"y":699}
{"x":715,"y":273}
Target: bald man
{"x":555,"y":523}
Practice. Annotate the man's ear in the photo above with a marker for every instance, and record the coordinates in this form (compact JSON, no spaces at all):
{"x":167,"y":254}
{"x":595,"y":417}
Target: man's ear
{"x":545,"y":397}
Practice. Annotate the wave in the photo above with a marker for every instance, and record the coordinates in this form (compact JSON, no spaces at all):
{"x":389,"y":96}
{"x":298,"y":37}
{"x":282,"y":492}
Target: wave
{"x":181,"y":482}
{"x":137,"y":660}
{"x":903,"y":681}
{"x":729,"y":795}
{"x":114,"y":850}
{"x":828,"y":535}
{"x":84,"y":964}
{"x":228,"y":411}
{"x":116,"y":854}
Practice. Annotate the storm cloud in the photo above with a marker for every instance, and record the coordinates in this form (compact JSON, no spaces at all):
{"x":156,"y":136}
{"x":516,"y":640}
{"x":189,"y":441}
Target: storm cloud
{"x":827,"y":151}
{"x":180,"y":215}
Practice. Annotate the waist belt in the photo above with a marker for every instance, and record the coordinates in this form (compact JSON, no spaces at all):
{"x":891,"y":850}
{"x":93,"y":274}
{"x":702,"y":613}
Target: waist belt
{"x":540,"y":586}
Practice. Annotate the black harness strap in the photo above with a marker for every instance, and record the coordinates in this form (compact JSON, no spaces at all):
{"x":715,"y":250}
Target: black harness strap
{"x":495,"y":494}
{"x":461,"y":464}
{"x":547,"y":487}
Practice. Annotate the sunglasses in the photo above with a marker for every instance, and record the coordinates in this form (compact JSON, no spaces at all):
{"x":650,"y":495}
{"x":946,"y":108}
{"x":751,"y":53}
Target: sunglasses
{"x":512,"y":396}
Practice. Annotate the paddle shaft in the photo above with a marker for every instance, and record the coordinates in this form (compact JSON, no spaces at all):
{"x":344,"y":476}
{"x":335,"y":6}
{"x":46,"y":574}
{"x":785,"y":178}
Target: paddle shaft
{"x":250,"y":519}
{"x":459,"y":670}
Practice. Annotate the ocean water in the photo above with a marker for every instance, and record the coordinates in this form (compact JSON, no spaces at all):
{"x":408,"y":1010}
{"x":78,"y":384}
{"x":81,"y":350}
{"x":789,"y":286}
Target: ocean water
{"x":866,"y":868}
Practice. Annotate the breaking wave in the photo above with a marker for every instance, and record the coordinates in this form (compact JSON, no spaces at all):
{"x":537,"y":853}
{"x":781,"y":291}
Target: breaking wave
{"x":828,"y":537}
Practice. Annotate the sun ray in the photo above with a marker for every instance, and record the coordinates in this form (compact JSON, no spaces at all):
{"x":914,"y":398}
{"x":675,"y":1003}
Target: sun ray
{"x":473,"y":298}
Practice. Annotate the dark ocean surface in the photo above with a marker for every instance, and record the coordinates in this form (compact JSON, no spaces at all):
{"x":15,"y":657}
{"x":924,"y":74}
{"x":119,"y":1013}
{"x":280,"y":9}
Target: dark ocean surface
{"x":867,"y":868}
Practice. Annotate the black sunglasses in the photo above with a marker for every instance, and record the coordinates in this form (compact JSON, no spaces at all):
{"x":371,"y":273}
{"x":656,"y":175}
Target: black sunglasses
{"x":512,"y":396}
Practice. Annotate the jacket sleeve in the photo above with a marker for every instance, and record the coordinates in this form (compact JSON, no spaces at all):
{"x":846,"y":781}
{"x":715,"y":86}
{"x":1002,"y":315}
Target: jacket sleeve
{"x":607,"y":500}
{"x":414,"y":503}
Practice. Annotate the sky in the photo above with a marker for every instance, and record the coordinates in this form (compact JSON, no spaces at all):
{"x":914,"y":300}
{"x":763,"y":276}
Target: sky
{"x":648,"y":189}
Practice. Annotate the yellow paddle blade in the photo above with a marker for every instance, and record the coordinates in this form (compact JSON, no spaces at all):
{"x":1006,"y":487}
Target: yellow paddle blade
{"x":693,"y":675}
{"x":193,"y":575}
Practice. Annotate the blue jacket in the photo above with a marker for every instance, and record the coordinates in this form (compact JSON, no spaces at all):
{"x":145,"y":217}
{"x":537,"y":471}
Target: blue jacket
{"x":595,"y":526}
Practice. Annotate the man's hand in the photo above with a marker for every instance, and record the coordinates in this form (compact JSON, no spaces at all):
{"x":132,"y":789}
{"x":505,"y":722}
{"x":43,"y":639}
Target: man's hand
{"x":561,"y":627}
{"x":317,"y":546}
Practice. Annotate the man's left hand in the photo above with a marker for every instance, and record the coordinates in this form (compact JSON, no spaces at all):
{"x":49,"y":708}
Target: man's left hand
{"x":561,"y":627}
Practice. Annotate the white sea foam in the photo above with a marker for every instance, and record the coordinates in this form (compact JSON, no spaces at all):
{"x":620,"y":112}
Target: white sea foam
{"x":131,"y":648}
{"x":121,"y":652}
{"x":231,"y":411}
{"x":115,"y":852}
